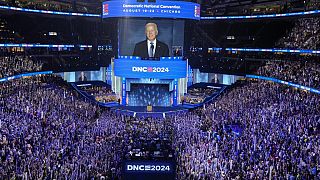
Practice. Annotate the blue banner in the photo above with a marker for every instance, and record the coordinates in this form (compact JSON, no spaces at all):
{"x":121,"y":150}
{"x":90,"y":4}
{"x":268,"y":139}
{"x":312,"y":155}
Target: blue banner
{"x":150,"y":69}
{"x":160,"y":9}
{"x":45,"y":45}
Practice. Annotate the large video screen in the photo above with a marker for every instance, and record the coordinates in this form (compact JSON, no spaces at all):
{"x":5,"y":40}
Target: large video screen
{"x":150,"y":69}
{"x":155,"y":9}
{"x":132,"y":31}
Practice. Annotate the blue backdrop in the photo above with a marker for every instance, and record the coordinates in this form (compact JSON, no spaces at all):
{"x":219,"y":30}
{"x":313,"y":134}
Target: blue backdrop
{"x":153,"y":94}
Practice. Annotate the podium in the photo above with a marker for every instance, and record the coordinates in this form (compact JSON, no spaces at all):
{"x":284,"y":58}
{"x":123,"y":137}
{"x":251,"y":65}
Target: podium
{"x":149,"y":108}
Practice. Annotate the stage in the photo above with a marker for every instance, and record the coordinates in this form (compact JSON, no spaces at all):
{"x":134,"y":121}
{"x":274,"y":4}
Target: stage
{"x":141,"y":111}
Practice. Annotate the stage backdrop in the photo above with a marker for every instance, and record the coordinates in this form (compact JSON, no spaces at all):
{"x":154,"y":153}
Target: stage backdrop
{"x":149,"y":94}
{"x":132,"y":31}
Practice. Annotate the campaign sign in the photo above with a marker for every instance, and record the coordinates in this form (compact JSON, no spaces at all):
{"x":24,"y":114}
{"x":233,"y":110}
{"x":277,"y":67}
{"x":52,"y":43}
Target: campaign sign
{"x":149,"y":170}
{"x":150,"y":69}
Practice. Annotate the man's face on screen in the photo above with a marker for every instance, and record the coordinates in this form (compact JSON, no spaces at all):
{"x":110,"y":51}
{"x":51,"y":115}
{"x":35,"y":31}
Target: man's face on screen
{"x":151,"y":33}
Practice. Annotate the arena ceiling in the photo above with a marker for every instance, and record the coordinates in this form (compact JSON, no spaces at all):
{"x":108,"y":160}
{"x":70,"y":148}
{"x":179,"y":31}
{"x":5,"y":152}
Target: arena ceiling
{"x":234,"y":7}
{"x":223,"y":7}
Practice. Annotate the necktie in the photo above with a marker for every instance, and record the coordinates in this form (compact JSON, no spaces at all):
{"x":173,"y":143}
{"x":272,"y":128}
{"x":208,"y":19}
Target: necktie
{"x":151,"y":50}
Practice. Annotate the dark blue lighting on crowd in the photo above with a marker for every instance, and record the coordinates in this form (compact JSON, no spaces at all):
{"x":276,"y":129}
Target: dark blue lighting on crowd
{"x":49,"y":12}
{"x":284,"y":82}
{"x":262,"y":16}
{"x":304,"y":51}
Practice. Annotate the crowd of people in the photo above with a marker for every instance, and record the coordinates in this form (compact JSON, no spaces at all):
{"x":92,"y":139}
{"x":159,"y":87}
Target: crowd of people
{"x":100,"y":93}
{"x":197,"y":95}
{"x":281,"y":129}
{"x":48,"y":131}
{"x":107,"y":98}
{"x":148,"y":139}
{"x":13,"y":65}
{"x":47,"y":5}
{"x":241,"y":63}
{"x":280,"y":137}
{"x":214,"y":8}
{"x":305,"y":73}
{"x":304,"y":35}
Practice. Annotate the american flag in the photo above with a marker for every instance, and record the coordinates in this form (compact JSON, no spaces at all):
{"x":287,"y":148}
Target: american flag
{"x":105,"y":9}
{"x":196,"y":11}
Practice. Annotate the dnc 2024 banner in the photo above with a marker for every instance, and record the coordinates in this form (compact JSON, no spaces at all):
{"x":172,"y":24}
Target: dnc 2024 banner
{"x":160,"y":9}
{"x":150,"y":69}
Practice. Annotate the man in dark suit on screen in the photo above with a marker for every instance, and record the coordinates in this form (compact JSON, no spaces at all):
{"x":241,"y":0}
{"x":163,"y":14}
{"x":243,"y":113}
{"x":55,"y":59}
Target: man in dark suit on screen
{"x":82,"y":77}
{"x":151,"y":47}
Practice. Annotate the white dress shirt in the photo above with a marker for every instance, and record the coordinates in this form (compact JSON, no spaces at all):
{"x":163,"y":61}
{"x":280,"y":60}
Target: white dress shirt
{"x":154,"y":45}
